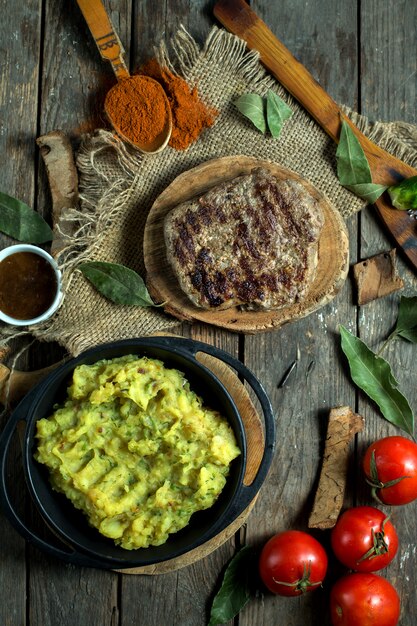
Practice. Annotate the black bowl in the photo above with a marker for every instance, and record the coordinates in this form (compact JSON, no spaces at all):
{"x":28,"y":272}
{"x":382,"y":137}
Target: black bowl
{"x":83,"y":544}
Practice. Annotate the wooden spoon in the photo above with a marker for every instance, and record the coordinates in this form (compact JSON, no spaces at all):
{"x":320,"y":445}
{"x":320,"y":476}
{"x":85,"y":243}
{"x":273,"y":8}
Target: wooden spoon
{"x":386,"y":169}
{"x":111,"y":49}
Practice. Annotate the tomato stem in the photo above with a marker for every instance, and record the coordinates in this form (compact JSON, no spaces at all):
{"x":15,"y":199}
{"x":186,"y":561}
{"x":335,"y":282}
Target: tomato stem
{"x":302,"y":583}
{"x":379,"y":546}
{"x":375,"y":482}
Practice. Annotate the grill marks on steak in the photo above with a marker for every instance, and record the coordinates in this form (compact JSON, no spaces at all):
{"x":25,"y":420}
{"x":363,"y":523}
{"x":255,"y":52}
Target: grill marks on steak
{"x":251,"y":241}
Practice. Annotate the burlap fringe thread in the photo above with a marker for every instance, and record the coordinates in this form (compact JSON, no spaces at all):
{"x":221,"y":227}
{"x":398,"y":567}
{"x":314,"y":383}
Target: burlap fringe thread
{"x":118,"y":186}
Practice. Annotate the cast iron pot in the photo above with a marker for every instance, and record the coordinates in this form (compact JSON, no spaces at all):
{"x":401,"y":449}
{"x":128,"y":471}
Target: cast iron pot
{"x":82,"y":544}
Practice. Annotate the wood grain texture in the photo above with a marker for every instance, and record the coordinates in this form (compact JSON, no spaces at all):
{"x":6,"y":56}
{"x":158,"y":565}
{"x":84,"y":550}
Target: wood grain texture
{"x":388,"y":91}
{"x":19,"y":69}
{"x":364,"y":54}
{"x":333,"y":252}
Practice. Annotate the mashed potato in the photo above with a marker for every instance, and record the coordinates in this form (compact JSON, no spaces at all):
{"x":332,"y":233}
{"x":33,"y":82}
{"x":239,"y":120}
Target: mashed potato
{"x":135,"y":449}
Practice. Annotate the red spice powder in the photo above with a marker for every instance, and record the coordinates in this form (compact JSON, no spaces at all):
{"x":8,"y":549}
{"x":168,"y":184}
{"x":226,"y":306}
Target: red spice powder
{"x":138,"y":109}
{"x":189,"y":114}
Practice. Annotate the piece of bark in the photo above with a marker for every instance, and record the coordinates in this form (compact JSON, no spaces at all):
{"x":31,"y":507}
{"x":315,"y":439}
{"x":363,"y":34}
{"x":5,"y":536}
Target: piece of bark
{"x":58,"y":157}
{"x":342,"y":427}
{"x":377,"y":277}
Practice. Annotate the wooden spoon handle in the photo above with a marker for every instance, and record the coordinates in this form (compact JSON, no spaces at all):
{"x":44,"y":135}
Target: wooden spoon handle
{"x":107,"y":40}
{"x":386,"y":169}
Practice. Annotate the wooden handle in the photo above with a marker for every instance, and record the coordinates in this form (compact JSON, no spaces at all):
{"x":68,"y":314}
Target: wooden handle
{"x":14,"y":385}
{"x":386,"y":169}
{"x":107,"y":40}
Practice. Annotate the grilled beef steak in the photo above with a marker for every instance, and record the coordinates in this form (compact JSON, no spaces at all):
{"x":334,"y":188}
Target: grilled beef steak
{"x":250,"y":241}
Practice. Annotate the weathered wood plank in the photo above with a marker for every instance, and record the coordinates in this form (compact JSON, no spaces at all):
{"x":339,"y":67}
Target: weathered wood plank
{"x":66,"y":594}
{"x":327,"y":46}
{"x":20,"y":37}
{"x":388,"y":92}
{"x":74,"y":80}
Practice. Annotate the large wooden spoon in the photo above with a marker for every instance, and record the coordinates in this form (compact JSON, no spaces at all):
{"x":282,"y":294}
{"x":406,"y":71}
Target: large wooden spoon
{"x":386,"y":169}
{"x":111,"y":49}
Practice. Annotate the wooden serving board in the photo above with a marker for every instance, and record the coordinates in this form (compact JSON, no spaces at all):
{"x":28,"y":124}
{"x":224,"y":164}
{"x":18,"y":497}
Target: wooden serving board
{"x":333,"y":253}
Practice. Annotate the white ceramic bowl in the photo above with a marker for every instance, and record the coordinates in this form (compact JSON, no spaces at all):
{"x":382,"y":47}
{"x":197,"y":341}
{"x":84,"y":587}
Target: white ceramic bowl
{"x":23,"y":247}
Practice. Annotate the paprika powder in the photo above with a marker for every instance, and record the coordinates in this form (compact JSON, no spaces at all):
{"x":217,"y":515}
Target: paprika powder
{"x":138,"y":109}
{"x":190,"y":116}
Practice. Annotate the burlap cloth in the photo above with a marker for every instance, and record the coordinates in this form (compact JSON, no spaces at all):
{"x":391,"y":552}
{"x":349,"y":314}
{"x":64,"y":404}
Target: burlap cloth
{"x":118,"y":186}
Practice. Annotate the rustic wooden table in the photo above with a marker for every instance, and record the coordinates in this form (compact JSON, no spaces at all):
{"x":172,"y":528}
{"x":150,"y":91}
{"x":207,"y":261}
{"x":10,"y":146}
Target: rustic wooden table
{"x":364,"y":54}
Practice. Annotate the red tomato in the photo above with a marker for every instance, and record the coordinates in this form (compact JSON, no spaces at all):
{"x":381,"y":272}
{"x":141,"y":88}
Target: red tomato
{"x":390,"y":465}
{"x":364,"y":539}
{"x":292,"y":563}
{"x":364,"y":600}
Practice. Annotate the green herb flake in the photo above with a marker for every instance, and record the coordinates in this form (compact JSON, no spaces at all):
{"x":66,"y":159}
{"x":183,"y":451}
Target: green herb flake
{"x":234,"y":592}
{"x":21,"y":222}
{"x":118,"y":283}
{"x":277,"y":112}
{"x":373,"y":375}
{"x":252,"y":106}
{"x":353,"y":168}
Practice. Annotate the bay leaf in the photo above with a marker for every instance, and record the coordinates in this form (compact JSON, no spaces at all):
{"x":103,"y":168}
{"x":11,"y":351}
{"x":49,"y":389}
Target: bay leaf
{"x":367,"y":191}
{"x":277,"y":112}
{"x":118,"y":283}
{"x":234,"y":592}
{"x":373,"y":375}
{"x":21,"y":222}
{"x":353,"y":168}
{"x":406,"y":326}
{"x":252,"y":106}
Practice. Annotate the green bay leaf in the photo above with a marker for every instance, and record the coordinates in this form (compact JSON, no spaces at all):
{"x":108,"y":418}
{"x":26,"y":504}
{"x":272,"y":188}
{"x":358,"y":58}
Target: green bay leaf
{"x":368,"y":191}
{"x":252,"y":106}
{"x":277,"y":112}
{"x":21,"y":222}
{"x":234,"y":592}
{"x":373,"y":375}
{"x":353,"y":168}
{"x":352,"y":164}
{"x":406,"y":326}
{"x":118,"y":283}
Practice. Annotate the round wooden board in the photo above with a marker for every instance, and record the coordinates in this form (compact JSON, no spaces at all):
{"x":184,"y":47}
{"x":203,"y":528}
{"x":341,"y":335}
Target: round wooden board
{"x":255,"y":448}
{"x":333,"y":253}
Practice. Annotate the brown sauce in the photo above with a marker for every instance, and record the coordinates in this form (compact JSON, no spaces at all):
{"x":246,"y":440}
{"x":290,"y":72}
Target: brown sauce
{"x":28,"y":285}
